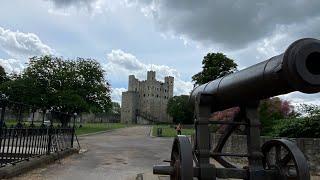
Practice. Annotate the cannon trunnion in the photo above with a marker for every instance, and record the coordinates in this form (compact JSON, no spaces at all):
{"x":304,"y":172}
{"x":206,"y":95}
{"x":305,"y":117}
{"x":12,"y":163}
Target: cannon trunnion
{"x":297,"y":69}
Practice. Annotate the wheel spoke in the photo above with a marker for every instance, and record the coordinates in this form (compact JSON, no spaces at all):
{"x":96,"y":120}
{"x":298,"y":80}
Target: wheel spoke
{"x":278,"y":154}
{"x":268,"y":160}
{"x":284,"y":161}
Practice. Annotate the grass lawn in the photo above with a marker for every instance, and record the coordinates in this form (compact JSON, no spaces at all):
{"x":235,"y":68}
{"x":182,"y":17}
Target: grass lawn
{"x":168,"y":131}
{"x":10,"y":123}
{"x":85,"y":129}
{"x":96,"y":127}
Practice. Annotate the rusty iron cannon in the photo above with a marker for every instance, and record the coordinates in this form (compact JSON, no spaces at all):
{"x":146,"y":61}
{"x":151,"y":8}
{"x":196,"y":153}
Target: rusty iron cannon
{"x":297,"y":69}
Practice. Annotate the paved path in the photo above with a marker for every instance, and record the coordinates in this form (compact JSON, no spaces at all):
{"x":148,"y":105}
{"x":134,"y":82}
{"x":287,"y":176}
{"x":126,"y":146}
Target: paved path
{"x":119,"y":154}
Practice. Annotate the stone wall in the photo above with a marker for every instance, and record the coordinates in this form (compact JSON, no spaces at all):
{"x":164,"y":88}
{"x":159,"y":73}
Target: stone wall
{"x":96,"y":118}
{"x":129,"y":106}
{"x":238,"y":144}
{"x":141,"y":120}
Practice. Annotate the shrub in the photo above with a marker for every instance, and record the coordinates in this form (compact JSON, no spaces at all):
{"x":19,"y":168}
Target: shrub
{"x":308,"y":127}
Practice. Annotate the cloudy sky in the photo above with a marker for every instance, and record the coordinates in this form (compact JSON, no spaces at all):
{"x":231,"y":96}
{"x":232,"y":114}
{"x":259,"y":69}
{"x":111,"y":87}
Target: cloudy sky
{"x":168,"y":36}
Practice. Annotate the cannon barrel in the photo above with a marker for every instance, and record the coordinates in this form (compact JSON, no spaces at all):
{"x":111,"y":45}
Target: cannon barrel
{"x":297,"y":69}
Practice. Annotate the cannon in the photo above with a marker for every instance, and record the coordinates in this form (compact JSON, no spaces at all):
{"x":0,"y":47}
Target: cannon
{"x":297,"y":69}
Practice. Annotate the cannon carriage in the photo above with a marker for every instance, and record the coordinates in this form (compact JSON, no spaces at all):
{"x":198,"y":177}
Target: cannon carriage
{"x":297,"y":69}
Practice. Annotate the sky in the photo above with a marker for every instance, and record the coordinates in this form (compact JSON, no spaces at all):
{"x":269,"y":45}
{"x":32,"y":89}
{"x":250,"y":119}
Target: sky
{"x":170,"y":37}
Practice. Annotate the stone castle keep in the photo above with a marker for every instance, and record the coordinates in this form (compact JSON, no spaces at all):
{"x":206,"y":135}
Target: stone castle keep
{"x":146,"y":101}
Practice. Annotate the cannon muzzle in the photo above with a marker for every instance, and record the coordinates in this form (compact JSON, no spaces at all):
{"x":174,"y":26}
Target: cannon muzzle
{"x":297,"y":69}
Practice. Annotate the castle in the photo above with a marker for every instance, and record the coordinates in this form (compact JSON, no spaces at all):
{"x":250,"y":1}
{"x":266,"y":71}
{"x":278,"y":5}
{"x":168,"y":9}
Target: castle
{"x":146,"y":101}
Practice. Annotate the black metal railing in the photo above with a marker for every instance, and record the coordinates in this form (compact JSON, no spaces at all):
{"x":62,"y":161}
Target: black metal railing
{"x":19,"y":142}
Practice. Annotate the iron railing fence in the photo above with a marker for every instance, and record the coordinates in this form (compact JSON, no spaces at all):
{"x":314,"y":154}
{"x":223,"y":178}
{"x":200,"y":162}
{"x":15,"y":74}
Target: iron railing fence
{"x":20,"y":141}
{"x":18,"y":144}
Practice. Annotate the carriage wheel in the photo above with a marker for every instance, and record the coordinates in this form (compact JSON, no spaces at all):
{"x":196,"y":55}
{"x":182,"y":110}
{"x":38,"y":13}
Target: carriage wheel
{"x":181,"y":159}
{"x":285,"y":157}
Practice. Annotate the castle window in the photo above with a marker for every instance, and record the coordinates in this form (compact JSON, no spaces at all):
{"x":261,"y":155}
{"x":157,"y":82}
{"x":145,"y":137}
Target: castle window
{"x":165,"y":97}
{"x":144,"y":95}
{"x":148,"y":94}
{"x":148,"y":88}
{"x":157,"y":95}
{"x":165,"y":90}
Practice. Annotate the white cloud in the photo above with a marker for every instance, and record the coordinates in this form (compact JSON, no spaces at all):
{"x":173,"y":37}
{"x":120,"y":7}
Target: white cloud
{"x":124,"y":60}
{"x":121,"y":64}
{"x":116,"y":94}
{"x":297,"y":98}
{"x":77,"y":3}
{"x":12,"y":65}
{"x":20,"y":45}
{"x":58,"y":12}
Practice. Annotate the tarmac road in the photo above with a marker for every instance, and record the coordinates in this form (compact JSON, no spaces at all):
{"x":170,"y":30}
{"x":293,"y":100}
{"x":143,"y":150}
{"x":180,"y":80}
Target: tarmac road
{"x":119,"y":154}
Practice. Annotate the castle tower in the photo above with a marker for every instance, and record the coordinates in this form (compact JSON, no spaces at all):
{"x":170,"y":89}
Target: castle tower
{"x":169,"y":80}
{"x":151,"y":75}
{"x":146,"y":101}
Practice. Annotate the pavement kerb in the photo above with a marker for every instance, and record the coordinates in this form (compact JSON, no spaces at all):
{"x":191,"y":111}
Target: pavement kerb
{"x":24,"y":166}
{"x":99,"y":132}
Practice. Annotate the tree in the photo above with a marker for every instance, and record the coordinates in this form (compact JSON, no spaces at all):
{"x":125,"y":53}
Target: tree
{"x":310,"y":110}
{"x":215,"y":65}
{"x":225,"y":115}
{"x":116,"y":109}
{"x":70,"y":86}
{"x":3,"y":75}
{"x":307,"y":125}
{"x":21,"y":89}
{"x":180,"y":110}
{"x":273,"y":109}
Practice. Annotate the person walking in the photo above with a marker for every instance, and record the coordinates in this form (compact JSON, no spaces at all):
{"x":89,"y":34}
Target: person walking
{"x":178,"y":129}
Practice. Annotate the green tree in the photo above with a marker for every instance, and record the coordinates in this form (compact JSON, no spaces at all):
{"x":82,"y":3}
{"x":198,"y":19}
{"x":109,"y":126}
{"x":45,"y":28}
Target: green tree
{"x":271,"y":110}
{"x":214,"y":65}
{"x":180,"y":110}
{"x":116,"y":109}
{"x":307,"y":125}
{"x":70,"y":86}
{"x":3,"y":75}
{"x":21,"y":89}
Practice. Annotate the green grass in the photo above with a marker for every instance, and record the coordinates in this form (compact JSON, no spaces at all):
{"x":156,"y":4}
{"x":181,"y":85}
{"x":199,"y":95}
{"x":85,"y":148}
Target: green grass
{"x":168,"y":131}
{"x":85,"y":129}
{"x":96,"y":127}
{"x":10,"y":123}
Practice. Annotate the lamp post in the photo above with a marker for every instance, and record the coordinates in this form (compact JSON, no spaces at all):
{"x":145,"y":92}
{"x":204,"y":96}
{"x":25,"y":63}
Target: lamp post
{"x":74,"y":119}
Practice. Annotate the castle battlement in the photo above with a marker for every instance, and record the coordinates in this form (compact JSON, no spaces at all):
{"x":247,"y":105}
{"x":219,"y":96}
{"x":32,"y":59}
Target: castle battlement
{"x":148,"y":96}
